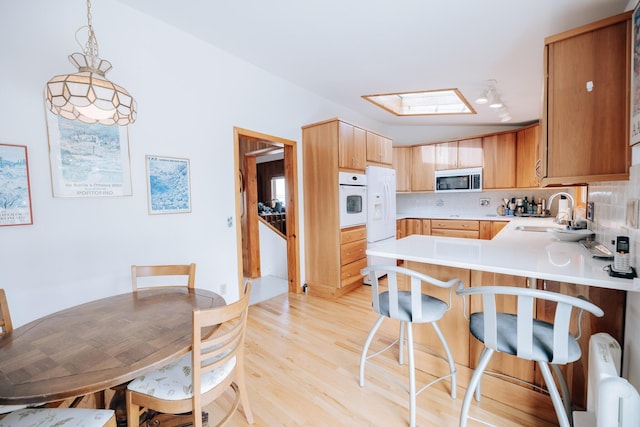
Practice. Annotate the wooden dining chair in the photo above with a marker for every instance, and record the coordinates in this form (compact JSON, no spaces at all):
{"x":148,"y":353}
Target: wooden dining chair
{"x":215,"y":364}
{"x":164,"y":275}
{"x":30,"y":417}
{"x":5,"y":316}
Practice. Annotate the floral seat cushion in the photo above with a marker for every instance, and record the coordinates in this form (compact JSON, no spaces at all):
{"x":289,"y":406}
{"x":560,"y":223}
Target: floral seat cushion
{"x":59,"y":417}
{"x":173,"y":381}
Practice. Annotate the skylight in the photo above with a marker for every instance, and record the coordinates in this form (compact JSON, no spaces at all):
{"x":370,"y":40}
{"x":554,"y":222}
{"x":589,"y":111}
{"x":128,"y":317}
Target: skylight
{"x":427,"y":103}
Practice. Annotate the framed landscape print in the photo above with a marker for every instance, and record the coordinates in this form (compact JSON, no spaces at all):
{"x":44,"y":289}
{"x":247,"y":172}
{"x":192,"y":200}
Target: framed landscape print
{"x":15,"y":192}
{"x":168,"y":185}
{"x":88,"y":160}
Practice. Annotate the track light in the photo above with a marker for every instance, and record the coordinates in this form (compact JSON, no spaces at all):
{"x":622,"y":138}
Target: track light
{"x":490,"y":96}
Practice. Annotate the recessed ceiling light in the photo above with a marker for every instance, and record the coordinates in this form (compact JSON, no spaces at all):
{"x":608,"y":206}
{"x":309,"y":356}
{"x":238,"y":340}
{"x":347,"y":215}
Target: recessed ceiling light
{"x":425,"y":103}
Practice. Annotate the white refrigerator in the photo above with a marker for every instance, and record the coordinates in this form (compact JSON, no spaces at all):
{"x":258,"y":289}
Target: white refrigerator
{"x":381,"y":210}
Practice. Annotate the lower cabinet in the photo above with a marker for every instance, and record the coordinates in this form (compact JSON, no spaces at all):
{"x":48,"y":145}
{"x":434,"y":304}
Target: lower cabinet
{"x":455,"y":228}
{"x":353,"y":254}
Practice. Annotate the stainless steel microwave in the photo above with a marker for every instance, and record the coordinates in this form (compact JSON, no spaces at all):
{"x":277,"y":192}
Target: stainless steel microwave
{"x":459,"y":180}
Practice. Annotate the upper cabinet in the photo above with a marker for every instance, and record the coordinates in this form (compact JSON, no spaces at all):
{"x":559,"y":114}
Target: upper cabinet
{"x":527,"y":152}
{"x":586,"y":109}
{"x":402,"y":165}
{"x":423,"y":167}
{"x":379,"y":149}
{"x":465,"y":153}
{"x":499,"y":168}
{"x":352,"y":147}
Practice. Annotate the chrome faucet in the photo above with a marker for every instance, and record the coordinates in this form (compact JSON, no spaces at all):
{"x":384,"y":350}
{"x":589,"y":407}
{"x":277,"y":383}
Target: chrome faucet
{"x":561,"y":218}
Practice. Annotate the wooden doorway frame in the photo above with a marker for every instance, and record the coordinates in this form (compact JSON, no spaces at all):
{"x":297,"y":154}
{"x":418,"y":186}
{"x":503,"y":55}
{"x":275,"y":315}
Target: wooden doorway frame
{"x":291,"y":185}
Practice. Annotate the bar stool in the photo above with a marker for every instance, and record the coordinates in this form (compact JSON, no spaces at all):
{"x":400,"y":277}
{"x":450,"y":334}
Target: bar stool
{"x":409,"y":307}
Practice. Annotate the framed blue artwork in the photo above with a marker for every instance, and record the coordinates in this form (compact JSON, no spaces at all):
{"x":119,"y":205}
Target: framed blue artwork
{"x":168,"y":185}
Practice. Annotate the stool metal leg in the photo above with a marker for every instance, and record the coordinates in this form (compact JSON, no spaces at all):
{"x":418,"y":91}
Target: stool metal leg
{"x":452,"y":366}
{"x":365,"y":349}
{"x":564,"y":390}
{"x":412,"y":376}
{"x":485,"y":357}
{"x":558,"y":405}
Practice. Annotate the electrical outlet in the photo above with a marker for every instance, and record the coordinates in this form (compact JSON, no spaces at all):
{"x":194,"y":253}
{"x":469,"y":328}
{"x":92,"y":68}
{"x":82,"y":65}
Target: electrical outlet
{"x":485,"y":202}
{"x":230,"y":222}
{"x":223,"y":289}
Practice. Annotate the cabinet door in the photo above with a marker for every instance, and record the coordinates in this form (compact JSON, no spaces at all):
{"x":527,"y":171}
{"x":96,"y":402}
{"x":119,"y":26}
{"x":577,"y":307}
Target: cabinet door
{"x":485,"y":230}
{"x":423,"y":168}
{"x":446,"y":155}
{"x":587,"y":104}
{"x":527,"y":148}
{"x":499,"y":161}
{"x":496,"y":226}
{"x":351,"y":147}
{"x":470,"y":153}
{"x":379,"y":149}
{"x":401,"y":228}
{"x":414,"y":226}
{"x":402,"y":165}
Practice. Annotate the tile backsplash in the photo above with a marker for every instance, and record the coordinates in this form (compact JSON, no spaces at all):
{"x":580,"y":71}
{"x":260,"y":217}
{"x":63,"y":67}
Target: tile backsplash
{"x":610,"y":211}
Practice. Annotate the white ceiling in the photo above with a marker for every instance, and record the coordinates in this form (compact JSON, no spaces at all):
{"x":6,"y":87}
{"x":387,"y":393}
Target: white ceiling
{"x":343,"y":49}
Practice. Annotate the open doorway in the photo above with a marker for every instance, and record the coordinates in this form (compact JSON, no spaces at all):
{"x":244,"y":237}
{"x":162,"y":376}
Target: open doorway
{"x":249,"y":146}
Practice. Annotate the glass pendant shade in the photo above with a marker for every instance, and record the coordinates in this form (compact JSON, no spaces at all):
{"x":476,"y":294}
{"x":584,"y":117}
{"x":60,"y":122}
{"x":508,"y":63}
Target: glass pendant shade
{"x":88,"y":96}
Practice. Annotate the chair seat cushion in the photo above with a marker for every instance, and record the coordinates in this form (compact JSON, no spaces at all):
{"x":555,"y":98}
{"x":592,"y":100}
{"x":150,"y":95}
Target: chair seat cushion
{"x":174,"y":382}
{"x":59,"y":417}
{"x":508,"y":339}
{"x":432,"y":308}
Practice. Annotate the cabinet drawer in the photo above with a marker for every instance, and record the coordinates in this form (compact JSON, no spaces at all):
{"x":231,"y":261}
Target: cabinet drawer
{"x":353,"y":251}
{"x":467,"y":234}
{"x":351,"y":272}
{"x":348,"y":235}
{"x":454,"y":224}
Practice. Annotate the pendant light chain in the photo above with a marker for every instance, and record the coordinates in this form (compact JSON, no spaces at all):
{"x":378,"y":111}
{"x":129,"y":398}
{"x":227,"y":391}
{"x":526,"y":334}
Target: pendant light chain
{"x":91,"y":48}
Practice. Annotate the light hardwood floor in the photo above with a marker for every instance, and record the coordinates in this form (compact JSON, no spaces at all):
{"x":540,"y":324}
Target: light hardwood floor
{"x":302,"y":359}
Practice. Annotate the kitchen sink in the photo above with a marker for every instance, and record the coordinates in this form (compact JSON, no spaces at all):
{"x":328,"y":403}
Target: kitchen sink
{"x":534,"y":228}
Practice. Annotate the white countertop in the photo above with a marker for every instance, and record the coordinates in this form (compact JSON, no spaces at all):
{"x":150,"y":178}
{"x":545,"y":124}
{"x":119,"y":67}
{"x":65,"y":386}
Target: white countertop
{"x":538,"y":255}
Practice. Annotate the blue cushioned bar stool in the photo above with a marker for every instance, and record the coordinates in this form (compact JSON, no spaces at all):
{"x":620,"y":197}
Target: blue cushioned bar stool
{"x":522,"y":335}
{"x":408,"y":306}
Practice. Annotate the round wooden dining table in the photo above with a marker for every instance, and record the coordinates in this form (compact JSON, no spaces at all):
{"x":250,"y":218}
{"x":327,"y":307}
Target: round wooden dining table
{"x":98,"y":345}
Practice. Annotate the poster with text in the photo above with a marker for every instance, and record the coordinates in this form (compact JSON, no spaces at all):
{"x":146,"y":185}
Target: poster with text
{"x":88,"y":160}
{"x":168,"y":185}
{"x":15,"y":192}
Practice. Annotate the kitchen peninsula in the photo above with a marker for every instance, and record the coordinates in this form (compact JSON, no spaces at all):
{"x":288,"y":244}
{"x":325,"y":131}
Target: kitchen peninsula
{"x":516,"y":258}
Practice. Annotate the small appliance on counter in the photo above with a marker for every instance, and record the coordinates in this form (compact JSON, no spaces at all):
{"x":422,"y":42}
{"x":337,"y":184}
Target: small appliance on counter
{"x":621,"y":259}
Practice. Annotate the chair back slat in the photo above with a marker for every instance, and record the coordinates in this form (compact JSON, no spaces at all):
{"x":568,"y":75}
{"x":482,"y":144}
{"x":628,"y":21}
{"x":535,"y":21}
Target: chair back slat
{"x":5,"y":315}
{"x":561,"y":322}
{"x":392,"y":287}
{"x":490,"y":320}
{"x":525,"y":326}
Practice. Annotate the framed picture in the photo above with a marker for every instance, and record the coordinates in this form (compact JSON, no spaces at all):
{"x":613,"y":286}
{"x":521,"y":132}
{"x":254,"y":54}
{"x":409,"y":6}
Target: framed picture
{"x":168,"y":185}
{"x":15,"y":192}
{"x":635,"y":77}
{"x":88,"y":160}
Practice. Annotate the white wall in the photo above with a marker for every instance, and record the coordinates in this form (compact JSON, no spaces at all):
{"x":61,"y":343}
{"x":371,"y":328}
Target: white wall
{"x":273,"y":253}
{"x":190,"y":96}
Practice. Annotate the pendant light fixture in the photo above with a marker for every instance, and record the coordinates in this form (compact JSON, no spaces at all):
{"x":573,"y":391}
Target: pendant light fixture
{"x":88,"y":95}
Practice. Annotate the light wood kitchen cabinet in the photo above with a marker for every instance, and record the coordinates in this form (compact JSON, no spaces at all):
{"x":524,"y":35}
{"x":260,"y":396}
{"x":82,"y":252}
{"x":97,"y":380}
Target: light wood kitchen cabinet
{"x":485,"y":230}
{"x":467,"y":229}
{"x":352,"y":147}
{"x":497,"y":226}
{"x":499,"y":161}
{"x":527,"y":155}
{"x":333,"y":256}
{"x":586,"y":103}
{"x":402,"y":166}
{"x":417,"y":226}
{"x":423,"y":167}
{"x":612,"y":302}
{"x":379,"y":149}
{"x":465,"y":153}
{"x":353,"y":256}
